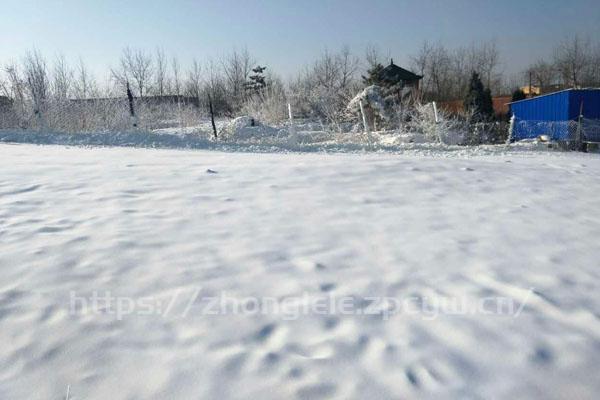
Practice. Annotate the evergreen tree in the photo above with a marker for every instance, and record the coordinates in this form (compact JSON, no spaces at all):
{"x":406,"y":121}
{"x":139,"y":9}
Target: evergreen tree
{"x":257,"y":82}
{"x":479,"y":99}
{"x":373,"y":76}
{"x":487,"y":106}
{"x":518,"y":95}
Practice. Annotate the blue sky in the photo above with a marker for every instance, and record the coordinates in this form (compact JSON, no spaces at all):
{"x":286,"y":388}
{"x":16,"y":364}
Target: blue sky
{"x":285,"y":35}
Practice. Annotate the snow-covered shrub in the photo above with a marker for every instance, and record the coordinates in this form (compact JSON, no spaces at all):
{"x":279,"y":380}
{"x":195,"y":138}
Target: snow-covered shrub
{"x":247,"y":128}
{"x":323,"y":90}
{"x":269,"y":106}
{"x":377,"y":112}
{"x":447,"y":130}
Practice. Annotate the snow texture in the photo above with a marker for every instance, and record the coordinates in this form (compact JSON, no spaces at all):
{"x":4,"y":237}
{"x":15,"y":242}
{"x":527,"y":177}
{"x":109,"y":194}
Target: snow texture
{"x":167,"y":224}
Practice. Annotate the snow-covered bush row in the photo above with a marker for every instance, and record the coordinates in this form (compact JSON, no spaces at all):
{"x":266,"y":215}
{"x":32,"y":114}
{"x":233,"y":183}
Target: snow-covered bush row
{"x":98,"y":115}
{"x":323,"y":101}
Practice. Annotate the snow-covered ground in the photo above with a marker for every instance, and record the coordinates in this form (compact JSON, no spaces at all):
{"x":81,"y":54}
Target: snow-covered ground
{"x":177,"y":274}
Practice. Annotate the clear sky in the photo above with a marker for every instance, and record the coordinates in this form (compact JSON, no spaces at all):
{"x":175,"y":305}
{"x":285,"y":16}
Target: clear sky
{"x":286,"y":35}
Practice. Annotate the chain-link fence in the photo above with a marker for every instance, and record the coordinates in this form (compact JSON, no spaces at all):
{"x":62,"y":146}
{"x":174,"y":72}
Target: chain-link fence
{"x":561,"y":131}
{"x":555,"y":130}
{"x":590,"y":130}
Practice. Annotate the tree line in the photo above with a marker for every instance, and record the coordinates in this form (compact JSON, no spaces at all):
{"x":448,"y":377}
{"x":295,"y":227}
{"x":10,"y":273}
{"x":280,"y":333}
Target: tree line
{"x":237,"y":84}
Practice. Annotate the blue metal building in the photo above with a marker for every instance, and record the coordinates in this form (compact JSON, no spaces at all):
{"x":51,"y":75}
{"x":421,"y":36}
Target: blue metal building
{"x":555,"y":114}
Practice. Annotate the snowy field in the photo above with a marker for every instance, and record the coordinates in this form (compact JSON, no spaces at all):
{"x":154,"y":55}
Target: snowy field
{"x":183,"y":274}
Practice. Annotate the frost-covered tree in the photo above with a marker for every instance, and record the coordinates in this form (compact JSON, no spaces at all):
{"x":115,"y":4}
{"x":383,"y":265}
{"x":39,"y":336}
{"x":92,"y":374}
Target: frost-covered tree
{"x":194,"y":80}
{"x":237,"y":68}
{"x":215,"y":87}
{"x":84,"y":85}
{"x":176,"y":71}
{"x":161,"y":80}
{"x":36,"y":81}
{"x":135,"y":66}
{"x":271,"y":105}
{"x":62,"y":78}
{"x":324,"y":89}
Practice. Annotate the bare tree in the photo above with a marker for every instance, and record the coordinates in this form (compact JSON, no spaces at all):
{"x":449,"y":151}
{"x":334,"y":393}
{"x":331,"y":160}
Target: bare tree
{"x":434,"y":62}
{"x":420,"y":61}
{"x":15,"y":87}
{"x":440,"y":72}
{"x":326,"y":70}
{"x":324,"y":89}
{"x":135,"y":65}
{"x":348,"y":67}
{"x":176,"y":71}
{"x":84,"y":85}
{"x":542,"y":73}
{"x":489,"y":61}
{"x":194,"y":80}
{"x":215,"y":86}
{"x":62,"y":78}
{"x":591,"y":76}
{"x":161,"y":78}
{"x":446,"y":73}
{"x":237,"y":67}
{"x":373,"y":56}
{"x":571,"y":58}
{"x":36,"y":78}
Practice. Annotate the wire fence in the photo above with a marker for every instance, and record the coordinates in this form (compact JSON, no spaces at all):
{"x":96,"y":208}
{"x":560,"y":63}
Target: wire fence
{"x":588,"y":129}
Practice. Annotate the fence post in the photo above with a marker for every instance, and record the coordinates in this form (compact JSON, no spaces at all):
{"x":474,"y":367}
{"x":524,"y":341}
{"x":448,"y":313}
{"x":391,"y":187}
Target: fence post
{"x":578,"y":137}
{"x":437,"y":120}
{"x":291,"y":117}
{"x":131,"y":108}
{"x":511,"y":128}
{"x":364,"y":118}
{"x":435,"y":113}
{"x":212,"y":116}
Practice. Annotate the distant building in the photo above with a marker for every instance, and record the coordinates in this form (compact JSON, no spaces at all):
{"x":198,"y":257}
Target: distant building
{"x":149,"y":100}
{"x":537,"y":90}
{"x":531,"y":90}
{"x":407,"y":82}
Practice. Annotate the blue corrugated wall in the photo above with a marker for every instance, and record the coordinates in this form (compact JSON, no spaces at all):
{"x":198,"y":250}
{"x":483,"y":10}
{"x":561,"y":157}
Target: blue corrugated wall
{"x":549,"y":114}
{"x":591,"y":103}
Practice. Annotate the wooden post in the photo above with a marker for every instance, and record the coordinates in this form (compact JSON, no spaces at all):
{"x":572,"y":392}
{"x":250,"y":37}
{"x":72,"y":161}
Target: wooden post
{"x":131,"y":108}
{"x":212,"y":116}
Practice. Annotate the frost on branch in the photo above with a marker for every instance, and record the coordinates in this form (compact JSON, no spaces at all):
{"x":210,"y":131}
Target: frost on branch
{"x":374,"y":104}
